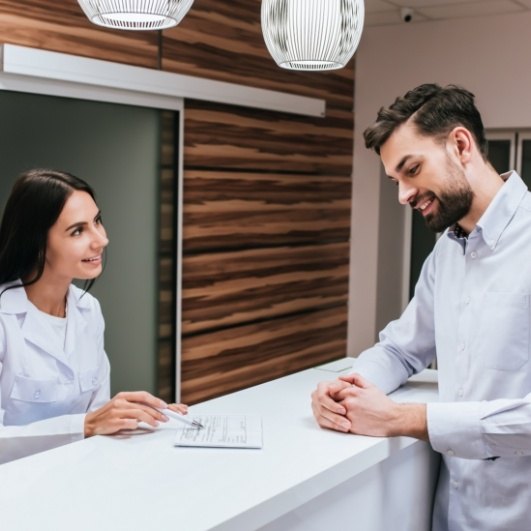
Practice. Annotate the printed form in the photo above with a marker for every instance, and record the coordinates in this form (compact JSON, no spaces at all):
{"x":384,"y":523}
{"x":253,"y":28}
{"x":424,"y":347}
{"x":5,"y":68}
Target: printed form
{"x":222,"y":431}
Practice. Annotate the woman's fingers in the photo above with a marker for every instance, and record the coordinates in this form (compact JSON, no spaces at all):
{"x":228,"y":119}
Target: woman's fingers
{"x":179,"y":408}
{"x":125,"y":410}
{"x":142,"y":397}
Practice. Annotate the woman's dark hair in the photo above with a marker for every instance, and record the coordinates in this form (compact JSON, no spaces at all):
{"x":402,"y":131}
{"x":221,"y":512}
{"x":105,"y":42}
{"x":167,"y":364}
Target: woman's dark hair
{"x":36,"y":200}
{"x":435,"y":111}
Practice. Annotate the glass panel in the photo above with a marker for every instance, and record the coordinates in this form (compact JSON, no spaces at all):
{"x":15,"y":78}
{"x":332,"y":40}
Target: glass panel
{"x":116,"y":149}
{"x":422,"y":242}
{"x":499,"y":155}
{"x":526,"y":162}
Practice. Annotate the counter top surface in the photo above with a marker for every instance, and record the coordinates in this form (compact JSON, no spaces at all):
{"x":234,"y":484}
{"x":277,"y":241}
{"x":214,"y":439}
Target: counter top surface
{"x":142,"y":480}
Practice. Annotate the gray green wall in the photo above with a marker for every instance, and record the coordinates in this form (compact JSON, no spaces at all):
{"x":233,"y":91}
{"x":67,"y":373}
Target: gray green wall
{"x":116,"y":149}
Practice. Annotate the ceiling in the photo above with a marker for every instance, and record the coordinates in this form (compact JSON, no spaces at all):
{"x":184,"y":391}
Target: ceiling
{"x":383,"y":12}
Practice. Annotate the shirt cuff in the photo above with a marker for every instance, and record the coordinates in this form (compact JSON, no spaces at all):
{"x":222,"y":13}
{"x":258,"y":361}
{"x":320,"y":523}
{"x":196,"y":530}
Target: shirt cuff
{"x":76,"y":427}
{"x":454,"y":429}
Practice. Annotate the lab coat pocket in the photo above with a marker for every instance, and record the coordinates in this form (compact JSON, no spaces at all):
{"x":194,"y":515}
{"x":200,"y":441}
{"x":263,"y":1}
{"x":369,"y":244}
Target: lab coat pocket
{"x":503,"y":339}
{"x":89,"y":380}
{"x":39,"y":391}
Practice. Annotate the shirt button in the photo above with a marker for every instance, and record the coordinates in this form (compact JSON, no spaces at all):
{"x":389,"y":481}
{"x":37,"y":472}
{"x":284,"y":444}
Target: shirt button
{"x":460,"y":393}
{"x":451,"y":453}
{"x":467,"y":300}
{"x":454,"y":484}
{"x":473,"y":255}
{"x":94,"y":380}
{"x":462,"y":347}
{"x":37,"y":394}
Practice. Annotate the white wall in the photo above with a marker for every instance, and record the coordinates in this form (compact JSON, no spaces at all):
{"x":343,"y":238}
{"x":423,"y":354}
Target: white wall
{"x":489,"y":56}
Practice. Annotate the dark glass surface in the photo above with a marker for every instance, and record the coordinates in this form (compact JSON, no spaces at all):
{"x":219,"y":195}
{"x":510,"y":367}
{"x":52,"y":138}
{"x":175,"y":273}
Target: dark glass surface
{"x":499,"y":155}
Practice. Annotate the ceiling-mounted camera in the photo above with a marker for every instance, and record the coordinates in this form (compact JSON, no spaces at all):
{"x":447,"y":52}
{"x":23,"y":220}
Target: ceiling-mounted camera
{"x":407,"y":14}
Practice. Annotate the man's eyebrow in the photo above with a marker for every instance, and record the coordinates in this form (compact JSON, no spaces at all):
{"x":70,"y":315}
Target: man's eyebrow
{"x":400,"y":165}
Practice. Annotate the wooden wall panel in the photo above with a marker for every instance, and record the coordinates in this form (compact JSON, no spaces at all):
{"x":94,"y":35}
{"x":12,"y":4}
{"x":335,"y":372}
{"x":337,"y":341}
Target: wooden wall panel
{"x":266,"y":210}
{"x":232,"y":288}
{"x":224,"y":210}
{"x":266,"y":244}
{"x":61,"y":26}
{"x":218,"y":136}
{"x":167,"y":262}
{"x":235,"y":358}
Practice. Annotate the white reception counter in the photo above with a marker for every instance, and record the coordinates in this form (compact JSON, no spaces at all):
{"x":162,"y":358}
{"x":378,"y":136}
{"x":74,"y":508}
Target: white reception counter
{"x":303,"y":479}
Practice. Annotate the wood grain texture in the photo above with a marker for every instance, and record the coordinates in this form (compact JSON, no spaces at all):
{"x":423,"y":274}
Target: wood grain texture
{"x":224,"y":210}
{"x":61,"y":26}
{"x":219,"y":136}
{"x":235,"y":358}
{"x":223,"y":41}
{"x":266,"y":210}
{"x":237,"y":287}
{"x":167,"y":259}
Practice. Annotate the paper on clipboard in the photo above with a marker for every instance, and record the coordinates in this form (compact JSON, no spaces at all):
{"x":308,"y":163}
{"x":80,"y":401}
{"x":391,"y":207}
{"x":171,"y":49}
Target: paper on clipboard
{"x":222,"y":431}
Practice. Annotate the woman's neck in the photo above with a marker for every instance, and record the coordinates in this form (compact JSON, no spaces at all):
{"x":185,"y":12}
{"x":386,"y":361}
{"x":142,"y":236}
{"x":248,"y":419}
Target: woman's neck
{"x":48,"y":298}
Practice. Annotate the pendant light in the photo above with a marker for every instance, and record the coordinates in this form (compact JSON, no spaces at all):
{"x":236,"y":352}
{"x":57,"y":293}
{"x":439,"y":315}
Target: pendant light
{"x":136,"y":14}
{"x":312,"y":34}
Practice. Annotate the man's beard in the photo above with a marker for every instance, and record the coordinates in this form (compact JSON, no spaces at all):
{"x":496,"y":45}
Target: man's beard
{"x":453,"y":204}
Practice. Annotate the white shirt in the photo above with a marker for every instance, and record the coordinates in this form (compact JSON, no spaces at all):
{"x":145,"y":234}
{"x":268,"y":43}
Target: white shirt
{"x":56,"y":325}
{"x":472,"y":309}
{"x":47,"y":385}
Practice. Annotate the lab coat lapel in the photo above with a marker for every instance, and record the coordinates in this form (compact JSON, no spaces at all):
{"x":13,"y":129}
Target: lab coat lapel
{"x":15,"y":301}
{"x":35,"y":331}
{"x":77,"y":322}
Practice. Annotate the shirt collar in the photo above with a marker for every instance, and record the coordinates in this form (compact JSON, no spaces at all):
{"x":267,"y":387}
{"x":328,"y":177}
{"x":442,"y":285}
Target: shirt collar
{"x":502,"y":209}
{"x":15,"y":300}
{"x":499,"y":213}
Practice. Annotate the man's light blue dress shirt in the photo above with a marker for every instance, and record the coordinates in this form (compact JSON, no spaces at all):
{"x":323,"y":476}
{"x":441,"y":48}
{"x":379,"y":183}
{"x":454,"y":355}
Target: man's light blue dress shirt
{"x":471,"y":310}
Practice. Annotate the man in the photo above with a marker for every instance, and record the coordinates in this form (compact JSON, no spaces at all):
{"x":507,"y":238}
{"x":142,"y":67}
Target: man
{"x":471,"y":309}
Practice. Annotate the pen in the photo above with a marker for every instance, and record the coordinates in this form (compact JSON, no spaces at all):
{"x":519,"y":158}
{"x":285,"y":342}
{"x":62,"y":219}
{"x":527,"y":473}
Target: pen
{"x":177,"y":416}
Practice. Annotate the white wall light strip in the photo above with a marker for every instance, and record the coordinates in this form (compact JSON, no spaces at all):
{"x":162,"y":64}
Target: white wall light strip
{"x":44,"y":72}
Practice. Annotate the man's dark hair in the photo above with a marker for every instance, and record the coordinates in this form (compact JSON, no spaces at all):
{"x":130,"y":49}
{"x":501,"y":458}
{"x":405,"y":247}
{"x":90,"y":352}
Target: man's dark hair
{"x":435,"y":111}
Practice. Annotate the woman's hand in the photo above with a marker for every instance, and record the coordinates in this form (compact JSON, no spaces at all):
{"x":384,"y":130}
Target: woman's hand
{"x":179,"y":408}
{"x":125,"y":410}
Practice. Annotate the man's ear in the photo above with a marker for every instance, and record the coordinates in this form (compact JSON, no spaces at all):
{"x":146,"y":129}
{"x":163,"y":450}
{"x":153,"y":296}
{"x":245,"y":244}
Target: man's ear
{"x":463,"y":143}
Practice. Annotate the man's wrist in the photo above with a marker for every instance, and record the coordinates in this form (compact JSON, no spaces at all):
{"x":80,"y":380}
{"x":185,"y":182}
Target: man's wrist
{"x":410,"y":420}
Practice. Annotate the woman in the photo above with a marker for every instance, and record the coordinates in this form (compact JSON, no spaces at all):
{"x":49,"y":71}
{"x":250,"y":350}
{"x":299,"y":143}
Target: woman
{"x":54,"y":372}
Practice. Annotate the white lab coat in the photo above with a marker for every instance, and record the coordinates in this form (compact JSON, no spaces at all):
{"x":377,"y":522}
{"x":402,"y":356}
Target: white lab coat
{"x":46,"y":388}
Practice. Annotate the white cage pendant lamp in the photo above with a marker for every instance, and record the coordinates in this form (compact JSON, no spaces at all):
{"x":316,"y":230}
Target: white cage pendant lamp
{"x":312,"y":34}
{"x":136,"y":14}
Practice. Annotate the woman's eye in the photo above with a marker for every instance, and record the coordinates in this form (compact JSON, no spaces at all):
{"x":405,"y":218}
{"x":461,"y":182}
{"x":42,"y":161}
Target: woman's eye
{"x":77,"y":232}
